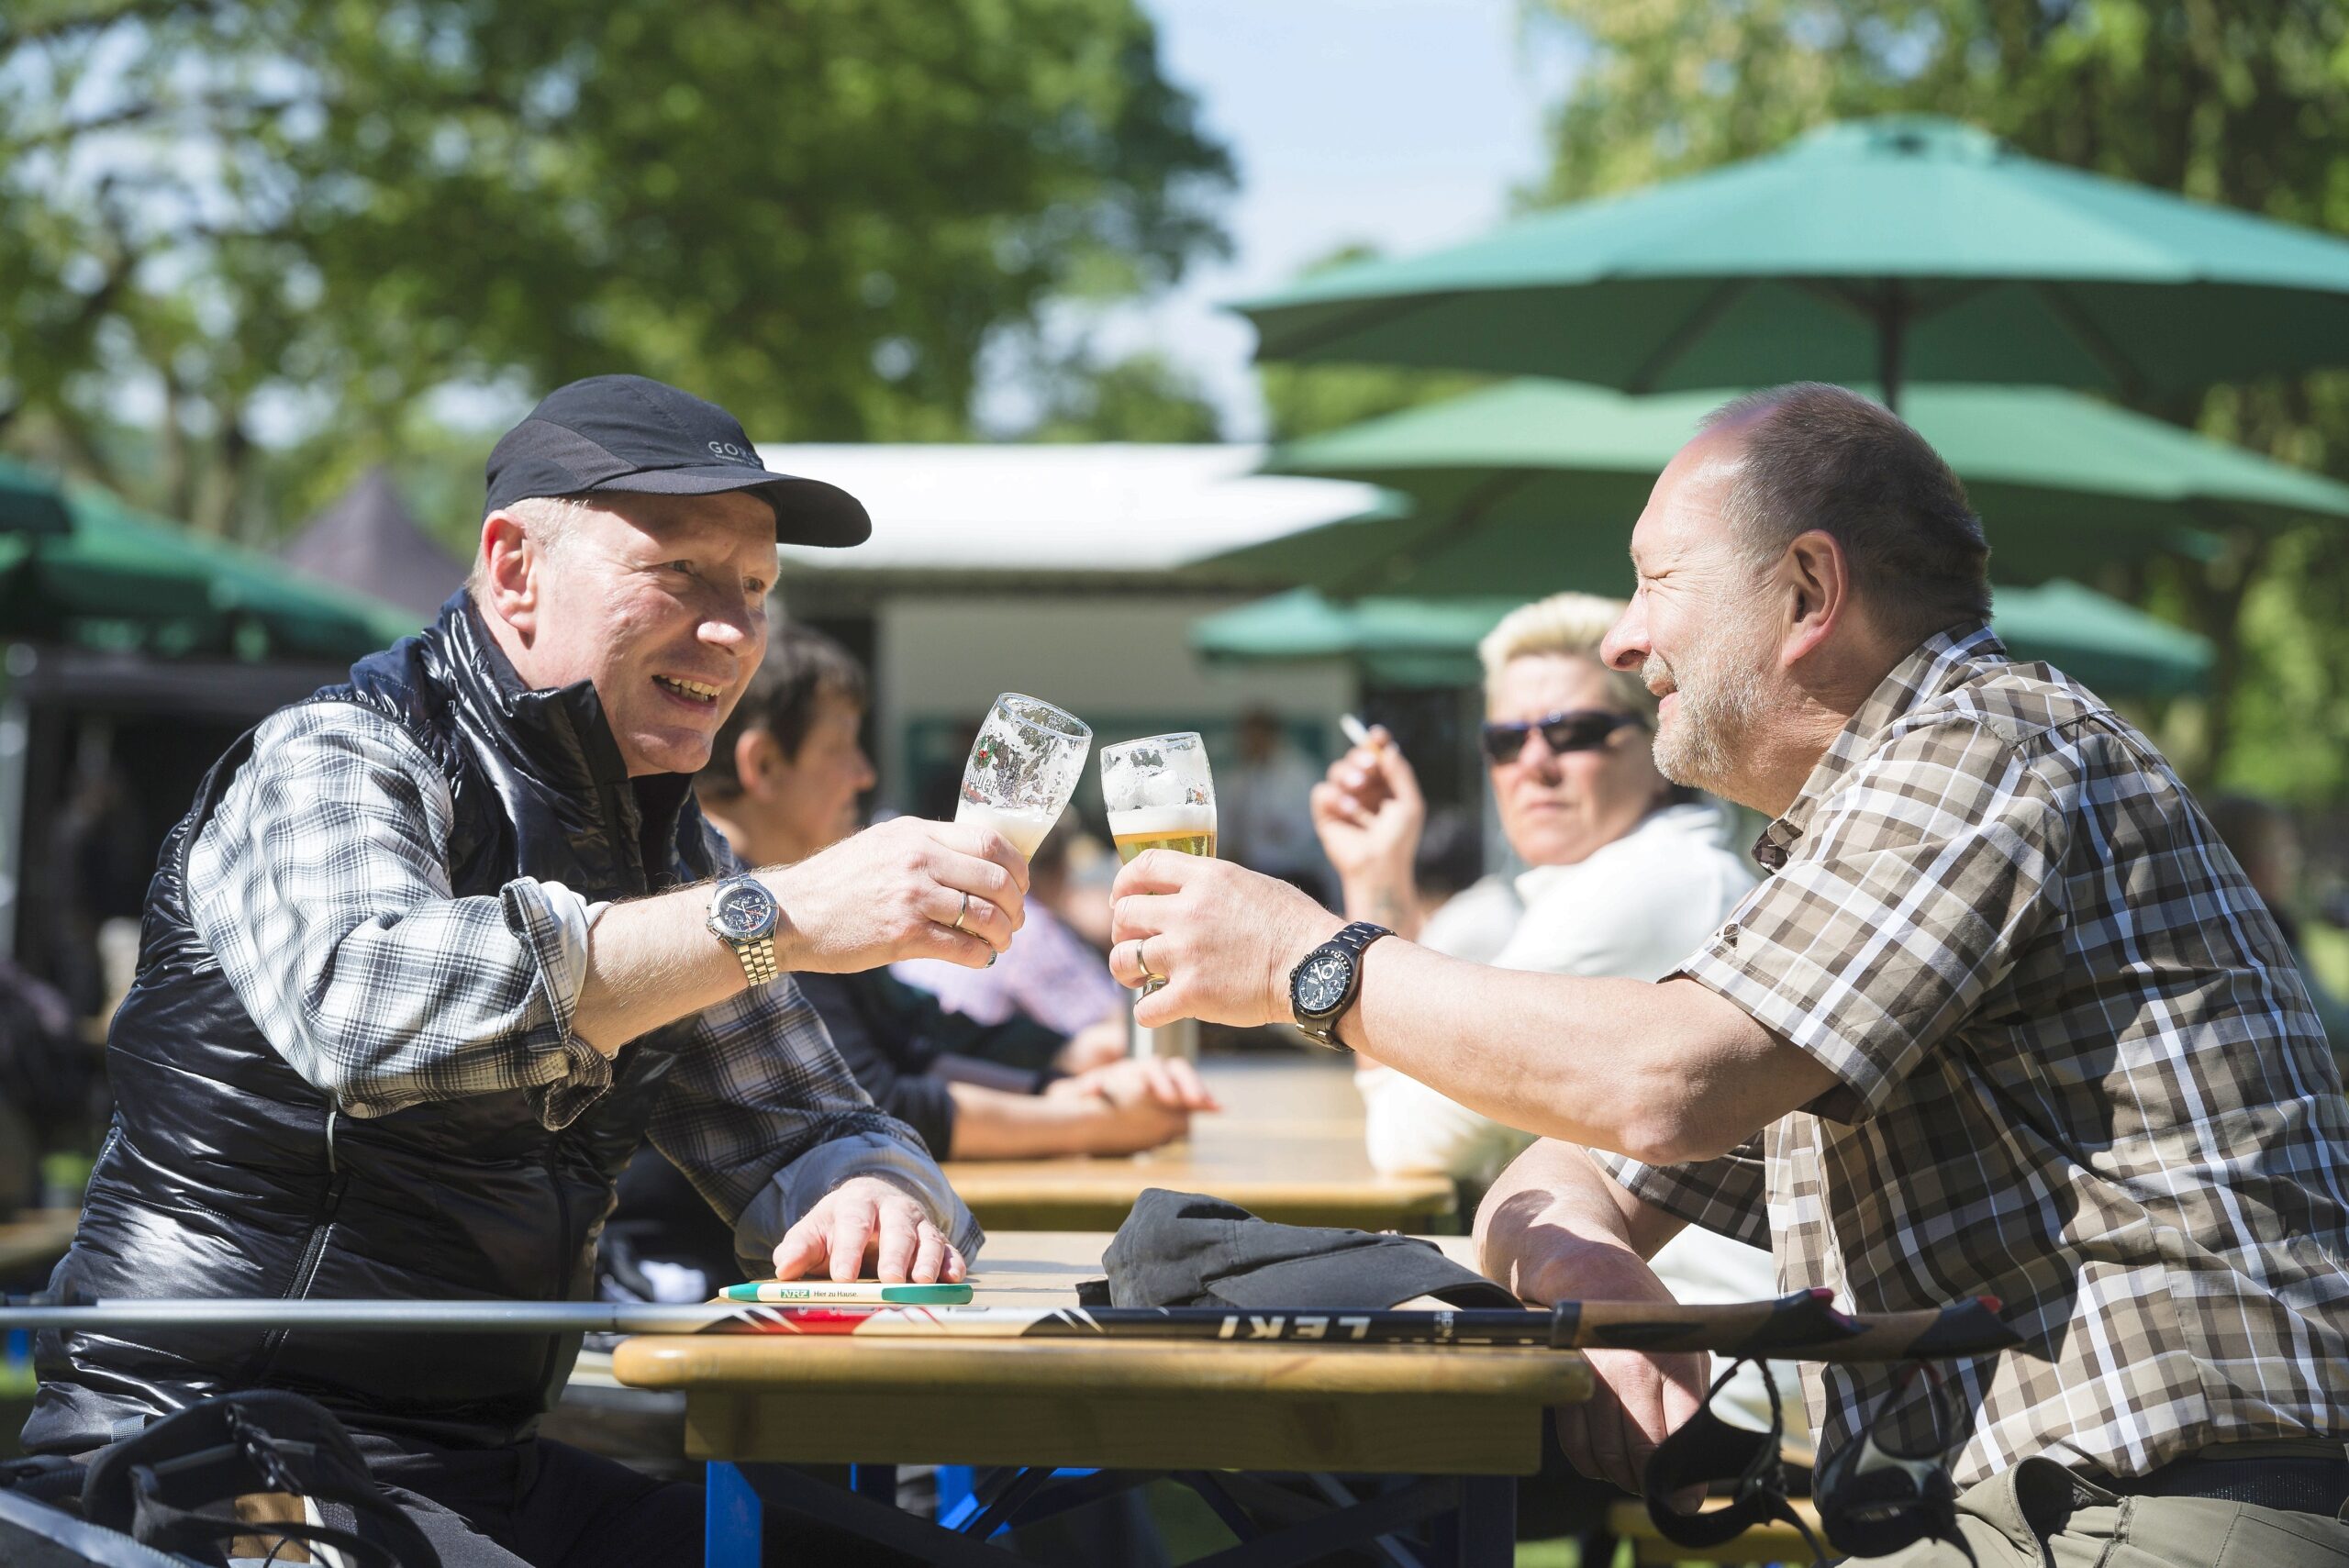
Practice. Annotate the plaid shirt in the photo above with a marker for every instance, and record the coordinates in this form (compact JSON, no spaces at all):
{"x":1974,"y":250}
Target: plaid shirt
{"x":321,"y":885}
{"x":2079,"y":1073}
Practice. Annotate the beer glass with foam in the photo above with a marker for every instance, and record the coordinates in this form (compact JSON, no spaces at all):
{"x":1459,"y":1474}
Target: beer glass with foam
{"x":1161,"y":796}
{"x":1022,"y":769}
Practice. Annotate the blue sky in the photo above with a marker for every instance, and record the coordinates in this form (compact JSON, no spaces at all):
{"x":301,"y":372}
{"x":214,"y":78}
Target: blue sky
{"x":1402,"y":123}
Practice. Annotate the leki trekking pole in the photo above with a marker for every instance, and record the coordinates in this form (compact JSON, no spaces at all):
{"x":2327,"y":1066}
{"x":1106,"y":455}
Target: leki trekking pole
{"x":1802,"y":1326}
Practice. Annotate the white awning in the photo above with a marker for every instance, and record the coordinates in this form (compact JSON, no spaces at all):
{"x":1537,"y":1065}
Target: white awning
{"x":1045,"y":509}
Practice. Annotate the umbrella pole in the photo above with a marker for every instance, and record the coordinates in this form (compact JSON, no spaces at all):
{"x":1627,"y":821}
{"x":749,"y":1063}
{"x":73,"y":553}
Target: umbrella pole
{"x":1891,"y":323}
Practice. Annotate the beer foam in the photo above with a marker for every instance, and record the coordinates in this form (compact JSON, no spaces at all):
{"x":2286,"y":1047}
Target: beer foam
{"x":1162,"y":822}
{"x":1023,"y":831}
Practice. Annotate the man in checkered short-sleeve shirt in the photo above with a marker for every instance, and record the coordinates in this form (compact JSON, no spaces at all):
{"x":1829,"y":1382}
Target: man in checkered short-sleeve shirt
{"x":2006,"y":1019}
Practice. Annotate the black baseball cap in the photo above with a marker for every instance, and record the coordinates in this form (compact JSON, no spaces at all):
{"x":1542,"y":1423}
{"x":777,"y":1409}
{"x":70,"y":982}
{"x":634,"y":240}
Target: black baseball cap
{"x":632,"y":433}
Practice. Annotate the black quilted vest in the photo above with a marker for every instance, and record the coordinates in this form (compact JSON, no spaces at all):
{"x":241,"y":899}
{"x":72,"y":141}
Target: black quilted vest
{"x":225,"y":1173}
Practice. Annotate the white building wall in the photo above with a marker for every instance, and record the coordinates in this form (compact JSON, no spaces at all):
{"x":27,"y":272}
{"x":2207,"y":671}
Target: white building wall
{"x":1112,"y":660}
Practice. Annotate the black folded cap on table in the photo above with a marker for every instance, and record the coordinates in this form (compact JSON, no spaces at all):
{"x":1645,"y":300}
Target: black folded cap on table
{"x":1190,"y":1250}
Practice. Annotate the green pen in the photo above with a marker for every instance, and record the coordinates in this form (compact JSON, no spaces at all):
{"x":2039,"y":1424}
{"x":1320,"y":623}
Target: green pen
{"x":849,"y":1293}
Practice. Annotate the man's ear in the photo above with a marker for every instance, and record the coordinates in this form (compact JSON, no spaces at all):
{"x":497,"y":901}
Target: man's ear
{"x":1818,"y":579}
{"x":758,"y":762}
{"x":510,"y":573}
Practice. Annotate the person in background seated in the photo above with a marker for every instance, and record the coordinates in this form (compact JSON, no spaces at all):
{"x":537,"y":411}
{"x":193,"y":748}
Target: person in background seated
{"x":1260,"y":805}
{"x":1628,"y":871}
{"x":785,"y":773}
{"x":1630,"y":875}
{"x":1466,"y":911}
{"x":1050,"y":974}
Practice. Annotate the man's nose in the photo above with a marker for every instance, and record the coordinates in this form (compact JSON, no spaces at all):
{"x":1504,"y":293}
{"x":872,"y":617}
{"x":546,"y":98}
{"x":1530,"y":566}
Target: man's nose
{"x":1625,"y":646}
{"x":729,"y":627}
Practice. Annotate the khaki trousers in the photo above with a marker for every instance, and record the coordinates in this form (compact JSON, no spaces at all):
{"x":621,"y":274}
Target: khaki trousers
{"x":2039,"y":1515}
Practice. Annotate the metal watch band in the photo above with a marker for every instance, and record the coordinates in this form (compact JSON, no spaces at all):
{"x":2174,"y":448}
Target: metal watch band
{"x":758,"y":958}
{"x":1354,"y":937}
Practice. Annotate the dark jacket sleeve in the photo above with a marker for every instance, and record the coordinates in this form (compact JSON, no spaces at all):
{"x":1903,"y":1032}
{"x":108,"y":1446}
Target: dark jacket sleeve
{"x":931,"y":1030}
{"x":886,"y":1062}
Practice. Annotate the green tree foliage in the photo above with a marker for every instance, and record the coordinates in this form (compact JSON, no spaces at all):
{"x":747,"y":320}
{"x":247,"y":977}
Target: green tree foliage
{"x":1144,"y":397}
{"x":1305,"y":400}
{"x":215,"y":214}
{"x":2240,"y":102}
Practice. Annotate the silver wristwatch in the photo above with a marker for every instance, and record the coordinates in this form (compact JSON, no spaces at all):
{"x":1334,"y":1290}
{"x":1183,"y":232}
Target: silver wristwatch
{"x":743,"y":916}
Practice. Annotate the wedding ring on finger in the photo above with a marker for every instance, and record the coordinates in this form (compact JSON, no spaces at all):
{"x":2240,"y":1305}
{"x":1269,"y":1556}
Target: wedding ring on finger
{"x":1149,"y":977}
{"x":962,"y":912}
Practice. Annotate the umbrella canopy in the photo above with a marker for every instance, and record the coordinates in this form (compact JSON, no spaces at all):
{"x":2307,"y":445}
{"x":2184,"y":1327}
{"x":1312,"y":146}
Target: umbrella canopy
{"x":117,"y":578}
{"x":1894,"y":250}
{"x":1533,"y":485}
{"x":370,"y":542}
{"x":2116,"y":649}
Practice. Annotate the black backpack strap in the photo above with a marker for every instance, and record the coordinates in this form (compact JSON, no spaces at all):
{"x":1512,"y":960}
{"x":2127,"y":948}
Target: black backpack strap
{"x":159,"y":1524}
{"x":1705,"y":1449}
{"x":173,"y":1485}
{"x":48,"y":1478}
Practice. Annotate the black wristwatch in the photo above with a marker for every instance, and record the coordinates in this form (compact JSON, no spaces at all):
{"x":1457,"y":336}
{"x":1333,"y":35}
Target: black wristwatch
{"x":1323,"y":986}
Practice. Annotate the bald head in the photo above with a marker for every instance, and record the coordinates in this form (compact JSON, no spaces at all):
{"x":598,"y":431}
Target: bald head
{"x":1780,"y":462}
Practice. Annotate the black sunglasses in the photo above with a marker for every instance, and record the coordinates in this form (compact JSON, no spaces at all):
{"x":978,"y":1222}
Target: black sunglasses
{"x":1569,"y":730}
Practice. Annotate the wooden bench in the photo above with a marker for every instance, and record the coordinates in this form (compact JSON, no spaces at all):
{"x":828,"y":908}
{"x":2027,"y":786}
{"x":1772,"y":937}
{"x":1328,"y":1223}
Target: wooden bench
{"x":1770,"y":1543}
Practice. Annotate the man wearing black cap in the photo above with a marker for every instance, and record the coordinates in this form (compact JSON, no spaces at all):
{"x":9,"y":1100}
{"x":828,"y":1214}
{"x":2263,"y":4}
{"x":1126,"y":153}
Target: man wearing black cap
{"x":434,"y":949}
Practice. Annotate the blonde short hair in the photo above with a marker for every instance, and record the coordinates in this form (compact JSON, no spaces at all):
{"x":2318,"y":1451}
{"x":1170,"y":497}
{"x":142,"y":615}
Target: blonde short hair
{"x":1569,"y":624}
{"x":545,"y":518}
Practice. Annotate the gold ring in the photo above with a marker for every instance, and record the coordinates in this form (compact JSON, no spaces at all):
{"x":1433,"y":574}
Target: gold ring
{"x":962,"y":911}
{"x":1147,"y":972}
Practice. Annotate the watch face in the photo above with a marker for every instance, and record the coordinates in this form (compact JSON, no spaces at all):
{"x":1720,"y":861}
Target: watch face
{"x":743,"y":911}
{"x":1322,"y":980}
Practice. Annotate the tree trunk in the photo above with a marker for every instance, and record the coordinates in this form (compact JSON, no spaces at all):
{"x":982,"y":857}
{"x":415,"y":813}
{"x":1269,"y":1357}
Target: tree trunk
{"x":2215,"y":592}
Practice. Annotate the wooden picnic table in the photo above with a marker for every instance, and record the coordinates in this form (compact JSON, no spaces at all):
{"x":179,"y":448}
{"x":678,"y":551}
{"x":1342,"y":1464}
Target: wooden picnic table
{"x":1465,"y":1421}
{"x":36,"y":1238}
{"x":1288,"y":1145}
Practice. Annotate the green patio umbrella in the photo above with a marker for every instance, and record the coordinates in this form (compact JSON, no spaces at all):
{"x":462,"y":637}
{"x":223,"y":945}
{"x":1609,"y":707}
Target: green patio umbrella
{"x":1892,"y":250}
{"x":2114,"y":649}
{"x":114,"y":577}
{"x":1394,"y":641}
{"x":1532,"y":485}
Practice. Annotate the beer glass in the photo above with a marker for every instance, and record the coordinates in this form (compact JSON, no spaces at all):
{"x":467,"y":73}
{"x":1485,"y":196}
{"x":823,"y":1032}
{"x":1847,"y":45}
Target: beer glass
{"x":1022,"y":769}
{"x":1161,"y":796}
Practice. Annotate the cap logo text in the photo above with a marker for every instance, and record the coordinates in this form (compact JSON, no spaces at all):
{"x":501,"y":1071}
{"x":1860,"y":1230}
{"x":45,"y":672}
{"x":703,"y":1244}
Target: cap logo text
{"x":730,"y":453}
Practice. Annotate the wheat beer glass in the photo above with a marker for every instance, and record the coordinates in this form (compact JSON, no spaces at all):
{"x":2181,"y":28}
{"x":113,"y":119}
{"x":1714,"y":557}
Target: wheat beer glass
{"x":1161,"y":796}
{"x":1022,"y":769}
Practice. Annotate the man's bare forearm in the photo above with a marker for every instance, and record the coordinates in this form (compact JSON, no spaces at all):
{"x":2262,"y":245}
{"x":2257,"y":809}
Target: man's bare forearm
{"x":1664,"y":1073}
{"x":905,"y":889}
{"x":991,"y":1124}
{"x":1555,"y":1225}
{"x":651,"y":962}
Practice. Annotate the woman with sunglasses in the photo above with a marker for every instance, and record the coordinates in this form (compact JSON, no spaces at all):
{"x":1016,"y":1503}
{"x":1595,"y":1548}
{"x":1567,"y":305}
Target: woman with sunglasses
{"x":1629,"y":874}
{"x":1628,"y":871}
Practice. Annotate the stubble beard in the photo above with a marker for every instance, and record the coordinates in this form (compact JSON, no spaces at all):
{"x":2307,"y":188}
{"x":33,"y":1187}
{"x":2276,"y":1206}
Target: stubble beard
{"x":1720,"y":711}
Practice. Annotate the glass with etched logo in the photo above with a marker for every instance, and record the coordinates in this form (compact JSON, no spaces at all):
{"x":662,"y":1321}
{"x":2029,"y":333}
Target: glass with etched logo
{"x":1022,"y":769}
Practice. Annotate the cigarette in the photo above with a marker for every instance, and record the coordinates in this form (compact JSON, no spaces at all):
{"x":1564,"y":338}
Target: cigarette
{"x":1356,"y":733}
